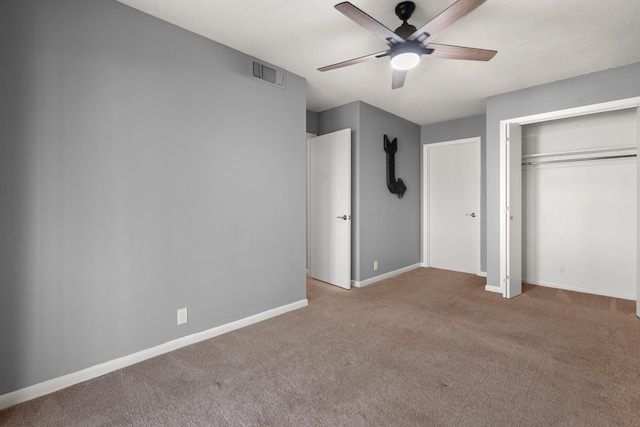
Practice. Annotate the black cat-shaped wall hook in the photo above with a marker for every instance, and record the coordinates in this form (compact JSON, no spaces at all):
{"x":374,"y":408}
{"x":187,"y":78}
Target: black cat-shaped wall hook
{"x":395,"y":186}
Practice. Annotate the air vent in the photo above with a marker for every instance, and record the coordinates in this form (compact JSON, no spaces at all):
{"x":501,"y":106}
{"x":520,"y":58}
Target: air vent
{"x":268,"y":74}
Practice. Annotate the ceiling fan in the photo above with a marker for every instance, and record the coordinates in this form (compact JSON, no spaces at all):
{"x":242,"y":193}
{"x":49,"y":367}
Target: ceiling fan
{"x":407,"y":43}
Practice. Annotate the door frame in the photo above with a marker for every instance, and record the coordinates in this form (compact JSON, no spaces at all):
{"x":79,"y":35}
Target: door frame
{"x":476,"y":140}
{"x":309,"y":136}
{"x":508,"y":288}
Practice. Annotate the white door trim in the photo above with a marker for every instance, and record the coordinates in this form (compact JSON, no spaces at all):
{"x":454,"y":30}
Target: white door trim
{"x":425,"y":195}
{"x":504,"y":170}
{"x":309,"y":136}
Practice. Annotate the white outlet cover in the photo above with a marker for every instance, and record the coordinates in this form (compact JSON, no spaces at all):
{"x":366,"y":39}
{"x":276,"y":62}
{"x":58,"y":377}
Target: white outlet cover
{"x":182,"y":316}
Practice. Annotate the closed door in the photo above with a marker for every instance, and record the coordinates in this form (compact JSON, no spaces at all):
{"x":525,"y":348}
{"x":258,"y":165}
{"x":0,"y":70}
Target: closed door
{"x":451,"y":223}
{"x":330,"y":208}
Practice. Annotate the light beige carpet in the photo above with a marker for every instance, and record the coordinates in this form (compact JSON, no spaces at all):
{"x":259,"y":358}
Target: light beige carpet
{"x":427,"y":348}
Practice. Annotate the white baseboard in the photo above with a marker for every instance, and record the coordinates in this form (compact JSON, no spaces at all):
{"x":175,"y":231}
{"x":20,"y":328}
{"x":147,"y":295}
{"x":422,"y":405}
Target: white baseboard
{"x":492,"y":288}
{"x":601,"y":292}
{"x":385,"y":276}
{"x":479,"y":273}
{"x":55,"y":384}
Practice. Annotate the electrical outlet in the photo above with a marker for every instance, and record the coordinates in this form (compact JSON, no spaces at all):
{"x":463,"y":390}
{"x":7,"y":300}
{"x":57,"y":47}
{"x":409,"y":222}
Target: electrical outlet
{"x":375,"y":265}
{"x":182,"y":315}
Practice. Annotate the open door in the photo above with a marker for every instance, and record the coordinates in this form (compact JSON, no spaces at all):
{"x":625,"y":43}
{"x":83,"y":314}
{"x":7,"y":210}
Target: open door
{"x":638,"y":219}
{"x":513,"y":211}
{"x":330,"y":208}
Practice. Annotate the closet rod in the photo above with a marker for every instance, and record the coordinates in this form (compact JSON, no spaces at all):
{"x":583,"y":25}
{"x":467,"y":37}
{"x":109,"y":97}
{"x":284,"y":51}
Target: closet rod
{"x":603,"y":150}
{"x":583,"y":159}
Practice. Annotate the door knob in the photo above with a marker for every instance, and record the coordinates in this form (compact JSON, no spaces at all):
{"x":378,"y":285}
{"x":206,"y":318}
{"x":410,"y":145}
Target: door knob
{"x":472,"y":214}
{"x":344,"y":217}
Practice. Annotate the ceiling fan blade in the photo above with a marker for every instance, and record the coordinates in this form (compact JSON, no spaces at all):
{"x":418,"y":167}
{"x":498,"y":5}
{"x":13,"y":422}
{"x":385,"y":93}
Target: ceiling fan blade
{"x":450,"y":16}
{"x":397,"y":80}
{"x":355,"y":61}
{"x":366,"y":21}
{"x":460,"y":52}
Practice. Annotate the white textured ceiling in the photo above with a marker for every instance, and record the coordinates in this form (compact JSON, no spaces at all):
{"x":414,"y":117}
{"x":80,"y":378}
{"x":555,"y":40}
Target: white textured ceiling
{"x":538,"y":41}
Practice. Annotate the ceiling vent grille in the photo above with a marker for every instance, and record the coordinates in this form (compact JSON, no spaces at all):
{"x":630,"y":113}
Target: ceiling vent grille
{"x":268,"y":74}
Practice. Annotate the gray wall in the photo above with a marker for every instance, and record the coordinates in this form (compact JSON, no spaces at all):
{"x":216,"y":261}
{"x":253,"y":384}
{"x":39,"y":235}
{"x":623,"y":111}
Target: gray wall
{"x":384,"y":228}
{"x":604,"y":86}
{"x":389,"y":227}
{"x":134,"y":157}
{"x":468,"y":127}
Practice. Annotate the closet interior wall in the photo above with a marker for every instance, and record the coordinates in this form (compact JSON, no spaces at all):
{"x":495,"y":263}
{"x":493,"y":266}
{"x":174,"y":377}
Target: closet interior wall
{"x":579,"y":203}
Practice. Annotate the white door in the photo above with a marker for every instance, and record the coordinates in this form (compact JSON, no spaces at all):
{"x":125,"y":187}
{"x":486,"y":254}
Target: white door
{"x":451,"y":223}
{"x":513,"y":212}
{"x":330,"y":208}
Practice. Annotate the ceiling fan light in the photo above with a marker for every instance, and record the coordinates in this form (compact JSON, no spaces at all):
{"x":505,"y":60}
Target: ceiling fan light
{"x":405,"y":60}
